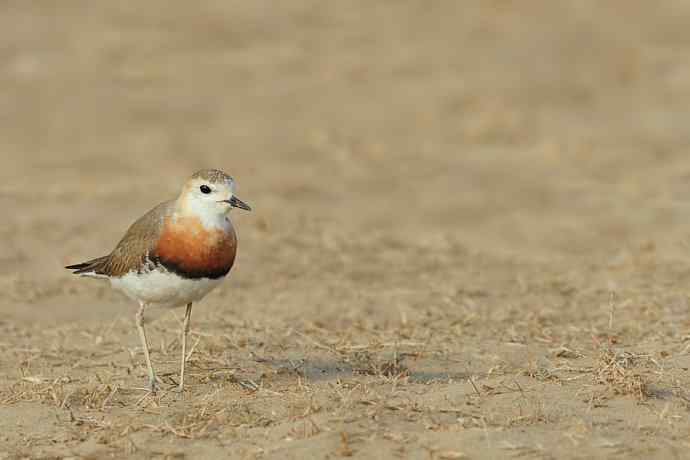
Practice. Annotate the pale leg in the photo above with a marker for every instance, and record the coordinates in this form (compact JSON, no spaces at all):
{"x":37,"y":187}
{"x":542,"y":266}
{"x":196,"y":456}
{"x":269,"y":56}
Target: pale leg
{"x":185,"y":331}
{"x":144,"y":343}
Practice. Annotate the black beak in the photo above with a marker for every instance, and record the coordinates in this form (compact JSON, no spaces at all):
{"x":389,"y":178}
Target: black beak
{"x":237,"y":203}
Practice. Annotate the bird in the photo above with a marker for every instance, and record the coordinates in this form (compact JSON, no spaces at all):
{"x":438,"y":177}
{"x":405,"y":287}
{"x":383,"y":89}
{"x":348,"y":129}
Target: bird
{"x":174,"y":254}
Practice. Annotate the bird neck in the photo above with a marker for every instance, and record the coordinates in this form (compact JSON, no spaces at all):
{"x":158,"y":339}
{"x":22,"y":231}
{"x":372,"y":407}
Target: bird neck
{"x":209,"y":218}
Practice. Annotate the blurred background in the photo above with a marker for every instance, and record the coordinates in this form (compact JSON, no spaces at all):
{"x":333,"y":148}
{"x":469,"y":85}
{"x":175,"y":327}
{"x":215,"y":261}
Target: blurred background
{"x":543,"y":129}
{"x":442,"y":191}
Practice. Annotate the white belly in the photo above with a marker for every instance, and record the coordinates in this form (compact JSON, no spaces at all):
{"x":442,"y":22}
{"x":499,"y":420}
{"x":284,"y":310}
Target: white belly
{"x":163,"y":288}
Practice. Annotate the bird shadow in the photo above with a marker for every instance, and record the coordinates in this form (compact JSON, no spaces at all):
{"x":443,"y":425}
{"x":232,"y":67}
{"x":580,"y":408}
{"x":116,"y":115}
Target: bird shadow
{"x":317,"y":370}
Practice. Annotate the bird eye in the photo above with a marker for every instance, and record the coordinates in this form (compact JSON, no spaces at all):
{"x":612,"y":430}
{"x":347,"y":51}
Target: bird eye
{"x":205,"y":189}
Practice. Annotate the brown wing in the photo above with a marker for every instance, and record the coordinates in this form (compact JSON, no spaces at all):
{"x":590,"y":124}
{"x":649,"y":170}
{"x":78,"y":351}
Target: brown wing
{"x":130,"y":253}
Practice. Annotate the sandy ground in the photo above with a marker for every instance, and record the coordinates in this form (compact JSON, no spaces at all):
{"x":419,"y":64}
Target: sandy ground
{"x":470,"y":236}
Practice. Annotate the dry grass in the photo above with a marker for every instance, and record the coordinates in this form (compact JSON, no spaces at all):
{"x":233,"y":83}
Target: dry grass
{"x":619,"y":372}
{"x":446,"y":196}
{"x":315,"y":384}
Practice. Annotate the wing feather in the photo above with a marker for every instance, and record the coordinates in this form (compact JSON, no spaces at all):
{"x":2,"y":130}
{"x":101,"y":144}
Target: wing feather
{"x":132,"y":250}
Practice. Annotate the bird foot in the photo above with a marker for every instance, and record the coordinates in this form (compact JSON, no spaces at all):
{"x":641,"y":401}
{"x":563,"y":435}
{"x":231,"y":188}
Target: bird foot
{"x":152,"y":386}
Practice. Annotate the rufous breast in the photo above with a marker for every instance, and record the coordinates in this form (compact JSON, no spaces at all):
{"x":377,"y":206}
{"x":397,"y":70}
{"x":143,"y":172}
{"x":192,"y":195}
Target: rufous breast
{"x":189,"y":249}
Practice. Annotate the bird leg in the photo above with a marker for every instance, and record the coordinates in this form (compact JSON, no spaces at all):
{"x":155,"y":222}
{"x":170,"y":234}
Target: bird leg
{"x":152,"y":386}
{"x":185,"y":331}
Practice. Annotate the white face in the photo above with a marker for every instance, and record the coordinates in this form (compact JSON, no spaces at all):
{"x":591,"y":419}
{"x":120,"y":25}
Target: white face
{"x":209,"y":199}
{"x":213,"y":197}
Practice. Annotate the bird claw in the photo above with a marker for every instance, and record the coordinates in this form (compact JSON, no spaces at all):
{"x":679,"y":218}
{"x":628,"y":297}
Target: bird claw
{"x":152,"y":386}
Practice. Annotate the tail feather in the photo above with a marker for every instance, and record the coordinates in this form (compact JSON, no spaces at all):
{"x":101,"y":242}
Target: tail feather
{"x":87,"y":267}
{"x":77,"y":266}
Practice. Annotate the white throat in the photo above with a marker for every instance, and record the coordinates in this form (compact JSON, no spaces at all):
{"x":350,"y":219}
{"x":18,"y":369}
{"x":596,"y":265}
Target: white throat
{"x":211,"y":216}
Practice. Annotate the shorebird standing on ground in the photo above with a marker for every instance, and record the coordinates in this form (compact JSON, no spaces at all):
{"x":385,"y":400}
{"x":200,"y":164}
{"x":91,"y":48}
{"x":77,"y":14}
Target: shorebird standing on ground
{"x":175,"y":254}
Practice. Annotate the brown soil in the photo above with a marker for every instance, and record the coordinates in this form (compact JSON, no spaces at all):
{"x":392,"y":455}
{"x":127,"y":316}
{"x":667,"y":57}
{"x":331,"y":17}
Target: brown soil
{"x":469,"y":237}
